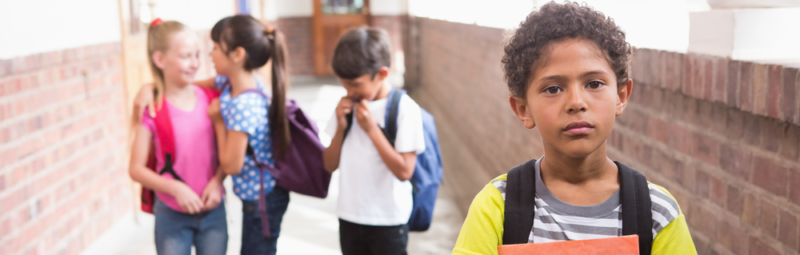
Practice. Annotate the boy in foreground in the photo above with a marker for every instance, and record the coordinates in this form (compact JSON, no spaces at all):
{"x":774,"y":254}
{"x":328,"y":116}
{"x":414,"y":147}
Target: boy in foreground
{"x":567,"y":67}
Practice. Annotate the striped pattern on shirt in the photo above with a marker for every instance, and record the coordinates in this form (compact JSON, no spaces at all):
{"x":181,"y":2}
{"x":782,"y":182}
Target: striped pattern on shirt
{"x":555,"y":220}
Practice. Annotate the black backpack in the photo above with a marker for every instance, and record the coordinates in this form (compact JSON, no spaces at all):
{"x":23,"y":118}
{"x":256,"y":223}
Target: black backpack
{"x":521,"y":191}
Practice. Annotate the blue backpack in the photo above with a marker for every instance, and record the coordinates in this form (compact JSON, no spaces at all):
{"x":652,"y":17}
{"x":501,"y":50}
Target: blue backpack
{"x":428,"y":169}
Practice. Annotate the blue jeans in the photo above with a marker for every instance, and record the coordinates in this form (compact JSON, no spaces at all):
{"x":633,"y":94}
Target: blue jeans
{"x":253,"y":240}
{"x":176,"y":232}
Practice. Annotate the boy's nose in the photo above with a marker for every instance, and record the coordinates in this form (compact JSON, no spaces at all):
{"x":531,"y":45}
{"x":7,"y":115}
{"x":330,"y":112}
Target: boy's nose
{"x":576,"y":101}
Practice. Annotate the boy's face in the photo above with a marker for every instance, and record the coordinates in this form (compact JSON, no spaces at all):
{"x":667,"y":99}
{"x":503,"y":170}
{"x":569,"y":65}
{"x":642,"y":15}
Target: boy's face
{"x":573,"y":98}
{"x":365,"y":86}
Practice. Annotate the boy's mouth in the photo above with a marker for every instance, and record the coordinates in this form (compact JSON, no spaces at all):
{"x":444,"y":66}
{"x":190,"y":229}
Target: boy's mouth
{"x":578,"y":128}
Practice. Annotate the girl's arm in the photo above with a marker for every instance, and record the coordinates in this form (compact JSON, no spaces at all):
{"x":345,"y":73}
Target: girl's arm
{"x":207,"y":83}
{"x":331,"y":155}
{"x":231,"y":145}
{"x":212,"y":194}
{"x":144,"y":98}
{"x":187,"y":199}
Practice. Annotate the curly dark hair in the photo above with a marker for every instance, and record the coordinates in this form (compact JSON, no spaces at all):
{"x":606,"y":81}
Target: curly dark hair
{"x":554,"y":22}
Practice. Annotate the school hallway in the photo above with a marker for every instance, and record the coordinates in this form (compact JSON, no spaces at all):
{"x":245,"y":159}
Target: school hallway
{"x":310,"y":225}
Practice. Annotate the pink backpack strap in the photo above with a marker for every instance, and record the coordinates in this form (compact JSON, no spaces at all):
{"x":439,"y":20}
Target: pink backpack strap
{"x":166,"y":137}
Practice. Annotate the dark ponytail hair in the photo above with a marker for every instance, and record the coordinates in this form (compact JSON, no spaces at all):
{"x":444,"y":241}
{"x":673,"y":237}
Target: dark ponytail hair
{"x":261,"y":44}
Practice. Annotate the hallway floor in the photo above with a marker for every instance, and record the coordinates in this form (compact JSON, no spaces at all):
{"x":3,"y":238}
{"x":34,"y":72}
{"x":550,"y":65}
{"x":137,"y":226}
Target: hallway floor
{"x":310,"y":225}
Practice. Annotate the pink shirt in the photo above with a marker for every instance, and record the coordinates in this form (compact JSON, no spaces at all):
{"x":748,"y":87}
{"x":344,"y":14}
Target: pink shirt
{"x":195,"y":146}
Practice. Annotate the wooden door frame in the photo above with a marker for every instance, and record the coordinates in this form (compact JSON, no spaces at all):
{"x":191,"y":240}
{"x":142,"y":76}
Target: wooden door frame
{"x":318,"y":34}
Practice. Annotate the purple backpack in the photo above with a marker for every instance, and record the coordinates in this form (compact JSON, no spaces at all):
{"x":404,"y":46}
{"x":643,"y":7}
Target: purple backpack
{"x":301,"y":170}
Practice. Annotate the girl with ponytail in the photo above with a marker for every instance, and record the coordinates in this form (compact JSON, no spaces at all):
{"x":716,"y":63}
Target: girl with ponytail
{"x":246,"y":120}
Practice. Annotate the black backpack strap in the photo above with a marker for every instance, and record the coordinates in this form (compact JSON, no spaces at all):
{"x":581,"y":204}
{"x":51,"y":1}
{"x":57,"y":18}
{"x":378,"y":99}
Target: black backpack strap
{"x":168,"y":163}
{"x":392,"y":110}
{"x":637,"y":217}
{"x":349,"y":118}
{"x":520,"y":199}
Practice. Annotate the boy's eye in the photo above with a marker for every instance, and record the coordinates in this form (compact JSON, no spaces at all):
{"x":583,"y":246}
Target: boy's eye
{"x":552,"y":90}
{"x":594,"y":85}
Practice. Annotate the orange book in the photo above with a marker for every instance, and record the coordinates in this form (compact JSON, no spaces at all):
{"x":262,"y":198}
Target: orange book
{"x":623,"y":245}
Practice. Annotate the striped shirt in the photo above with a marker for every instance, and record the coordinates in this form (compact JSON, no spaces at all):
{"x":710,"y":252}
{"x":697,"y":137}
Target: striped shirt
{"x":555,"y":220}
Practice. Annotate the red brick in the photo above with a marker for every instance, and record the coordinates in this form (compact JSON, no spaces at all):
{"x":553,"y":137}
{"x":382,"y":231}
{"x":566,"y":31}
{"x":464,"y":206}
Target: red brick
{"x":706,"y":149}
{"x":699,"y":74}
{"x":735,"y":201}
{"x":702,"y":184}
{"x":790,"y":144}
{"x":720,"y":80}
{"x":757,"y":246}
{"x":746,"y":87}
{"x":788,"y":230}
{"x":718,"y":191}
{"x":772,"y":133}
{"x":657,"y":129}
{"x":752,"y":130}
{"x":774,"y":90}
{"x":750,"y":210}
{"x":760,"y":87}
{"x":734,"y":124}
{"x":732,"y":237}
{"x":688,"y":74}
{"x":733,"y":84}
{"x":769,"y":218}
{"x":704,"y":114}
{"x":794,"y":191}
{"x":686,"y":176}
{"x":718,"y":118}
{"x":703,"y":220}
{"x":708,"y":79}
{"x":770,"y":176}
{"x":789,"y":94}
{"x":736,"y":161}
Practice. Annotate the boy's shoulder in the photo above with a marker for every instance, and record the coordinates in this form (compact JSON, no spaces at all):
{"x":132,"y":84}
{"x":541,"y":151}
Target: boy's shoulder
{"x":663,"y":205}
{"x":406,"y":103}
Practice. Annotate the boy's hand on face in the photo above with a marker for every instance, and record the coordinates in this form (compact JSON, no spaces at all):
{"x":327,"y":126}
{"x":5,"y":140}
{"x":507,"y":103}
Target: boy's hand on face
{"x":364,"y":116}
{"x":344,"y":107}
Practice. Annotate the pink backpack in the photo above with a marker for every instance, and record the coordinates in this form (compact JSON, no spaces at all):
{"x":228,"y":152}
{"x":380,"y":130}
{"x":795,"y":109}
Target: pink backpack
{"x":166,"y":137}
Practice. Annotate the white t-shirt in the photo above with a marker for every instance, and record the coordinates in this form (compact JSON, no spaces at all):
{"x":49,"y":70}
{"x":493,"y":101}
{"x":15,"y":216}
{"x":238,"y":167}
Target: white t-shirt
{"x":369,"y":194}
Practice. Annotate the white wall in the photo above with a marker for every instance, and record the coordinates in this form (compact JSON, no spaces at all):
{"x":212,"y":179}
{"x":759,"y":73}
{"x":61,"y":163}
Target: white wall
{"x":28,"y":27}
{"x":388,"y":7}
{"x":657,"y":24}
{"x":769,"y":35}
{"x":197,"y":14}
{"x":276,"y":9}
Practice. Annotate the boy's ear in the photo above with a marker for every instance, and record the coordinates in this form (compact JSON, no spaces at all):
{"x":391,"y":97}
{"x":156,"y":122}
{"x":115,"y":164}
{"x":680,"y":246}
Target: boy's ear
{"x":520,"y":107}
{"x":382,"y":74}
{"x":158,"y":59}
{"x":623,"y":94}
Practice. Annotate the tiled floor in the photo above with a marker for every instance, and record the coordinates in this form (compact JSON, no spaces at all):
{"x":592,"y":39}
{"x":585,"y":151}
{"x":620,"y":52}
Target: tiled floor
{"x":310,"y":225}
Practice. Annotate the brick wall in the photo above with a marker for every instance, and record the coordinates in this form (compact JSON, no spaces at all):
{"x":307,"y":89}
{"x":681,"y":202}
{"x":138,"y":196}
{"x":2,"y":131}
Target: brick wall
{"x":721,"y":135}
{"x":299,"y":41}
{"x":63,"y":149}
